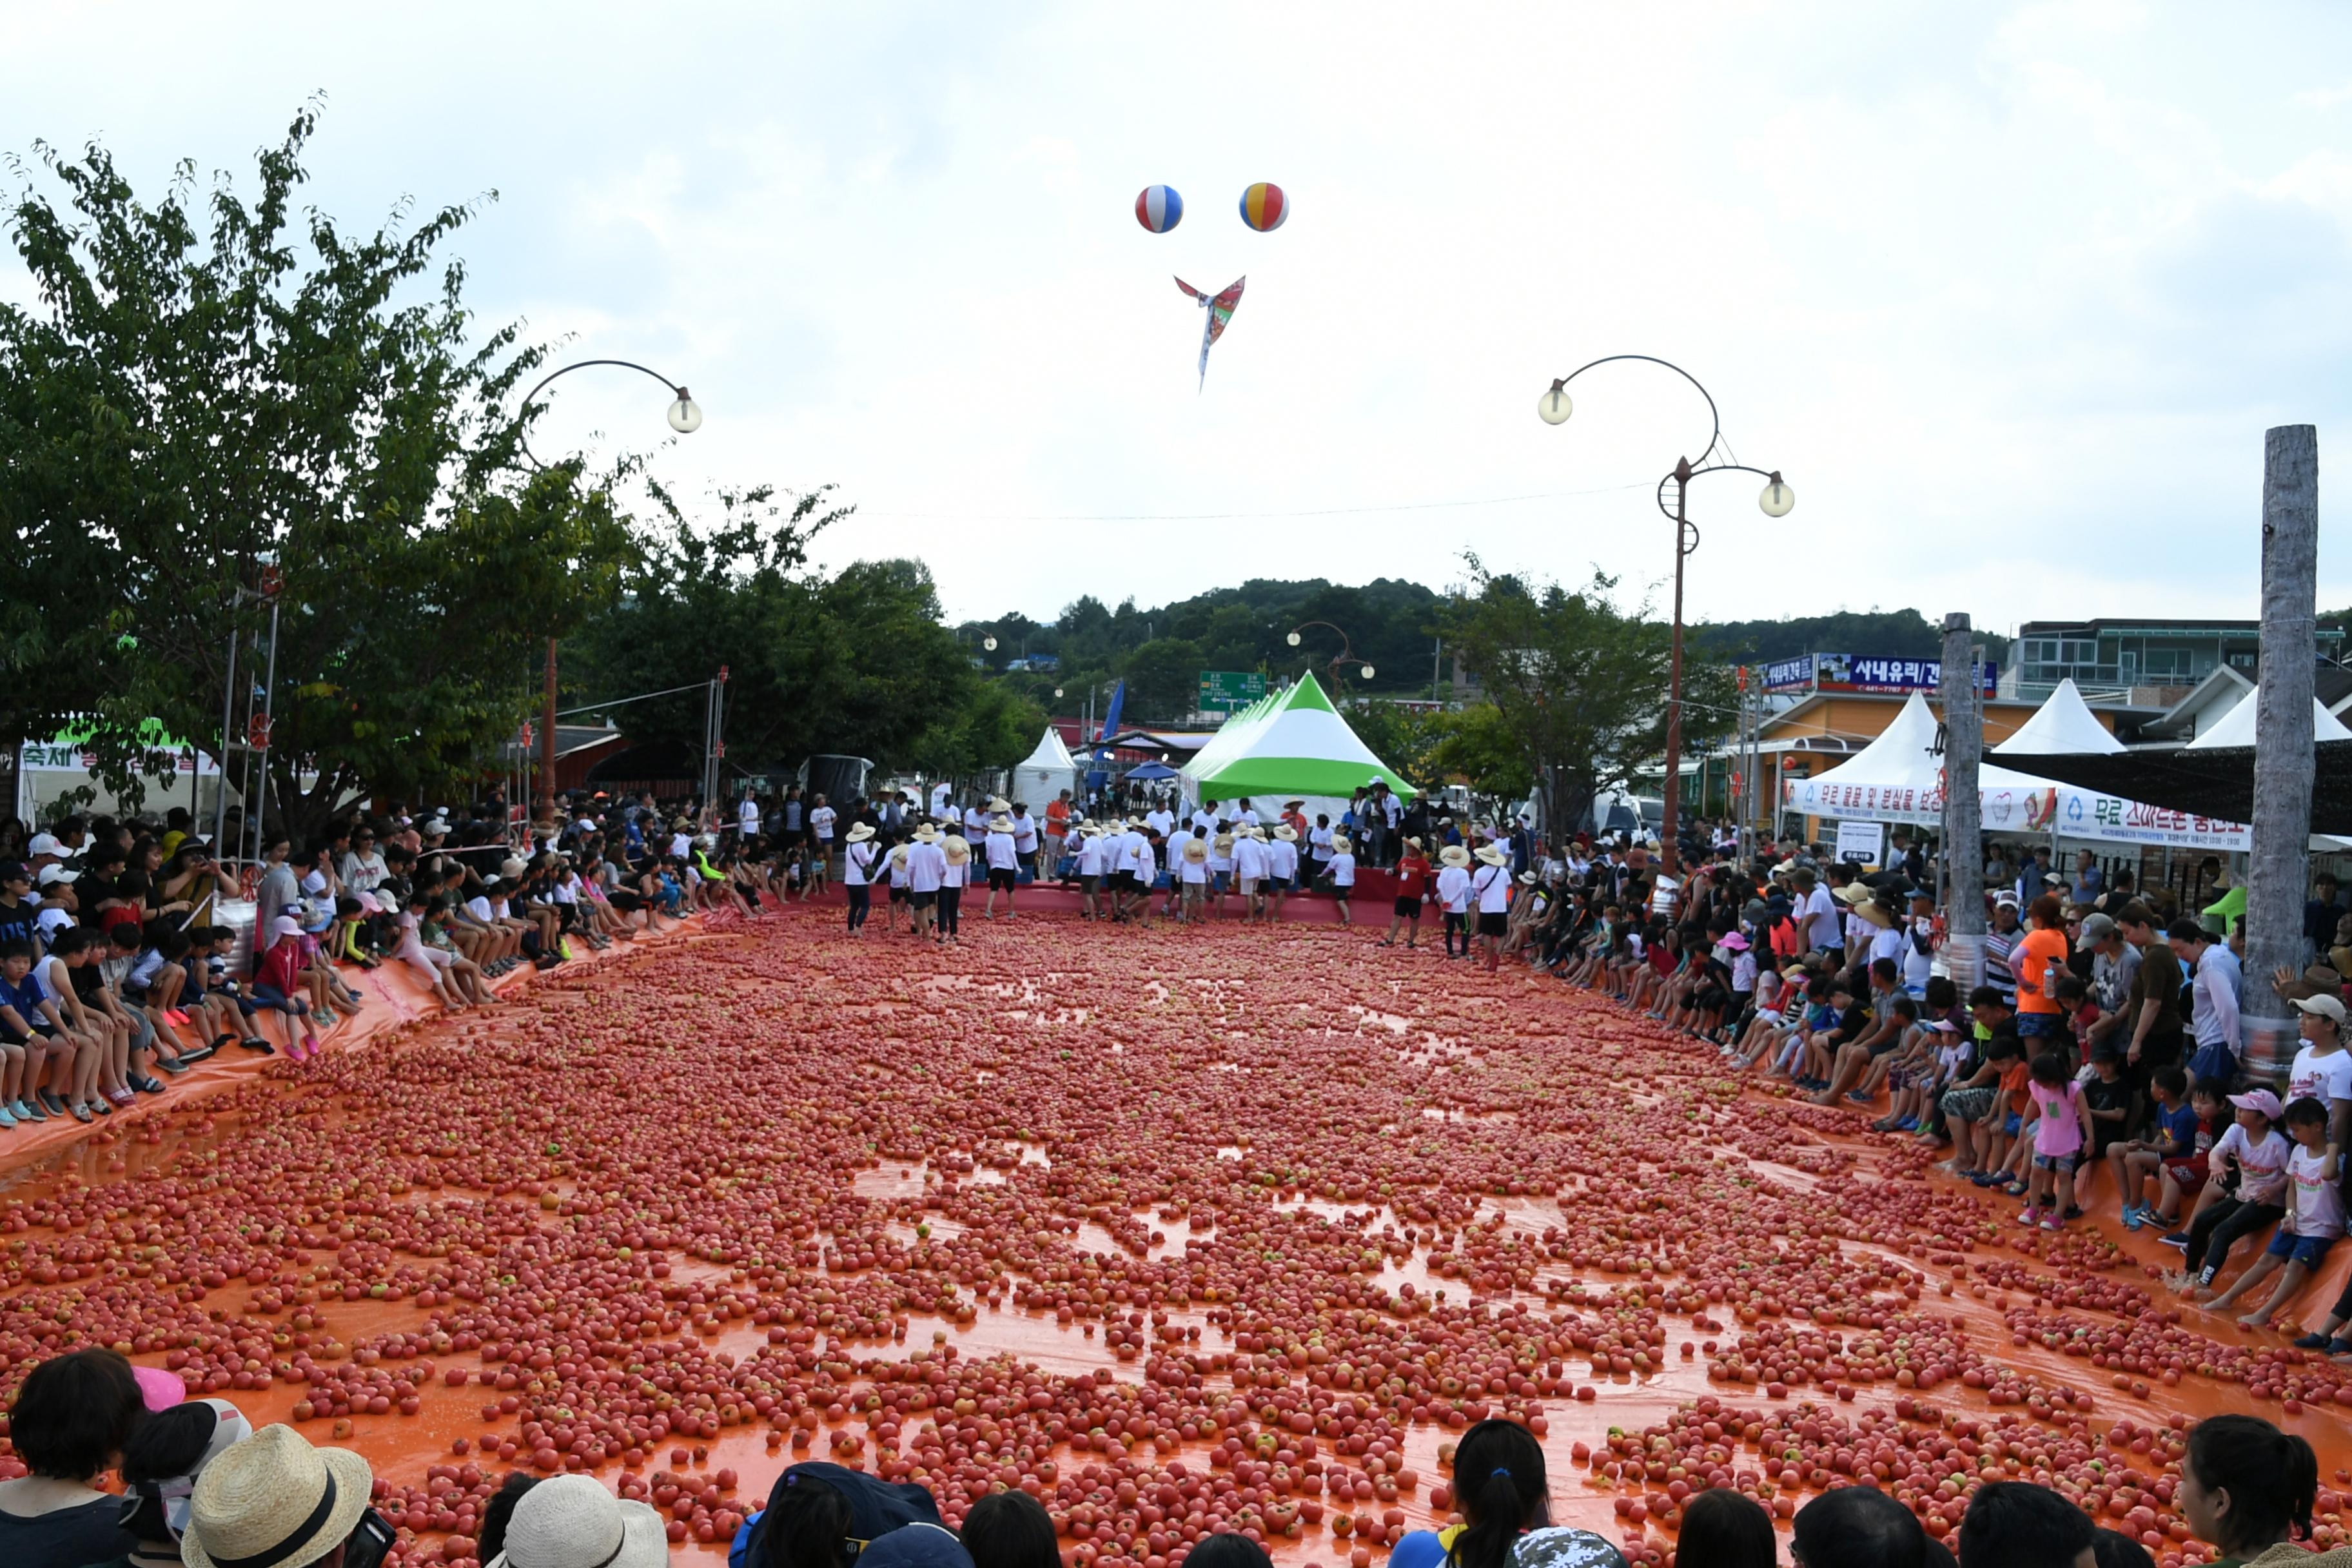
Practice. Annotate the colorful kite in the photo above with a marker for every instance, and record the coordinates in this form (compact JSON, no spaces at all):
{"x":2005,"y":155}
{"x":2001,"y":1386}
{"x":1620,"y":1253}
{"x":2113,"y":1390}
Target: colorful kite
{"x":1220,"y":307}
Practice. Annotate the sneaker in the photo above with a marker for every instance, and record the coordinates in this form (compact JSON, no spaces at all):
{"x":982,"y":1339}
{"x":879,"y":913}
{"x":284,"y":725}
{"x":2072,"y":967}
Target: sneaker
{"x":2135,"y":1218}
{"x":29,"y":1110}
{"x":2030,"y":1218}
{"x":7,"y":1117}
{"x":2313,"y":1342}
{"x":2178,"y":1238}
{"x":52,"y":1103}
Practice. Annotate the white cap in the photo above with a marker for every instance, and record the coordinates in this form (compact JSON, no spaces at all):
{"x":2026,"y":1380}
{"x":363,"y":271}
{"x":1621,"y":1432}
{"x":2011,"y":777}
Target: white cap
{"x":46,"y":843}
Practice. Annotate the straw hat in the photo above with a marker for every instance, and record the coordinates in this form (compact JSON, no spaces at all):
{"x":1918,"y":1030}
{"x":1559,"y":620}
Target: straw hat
{"x":1527,"y":879}
{"x":1339,"y":845}
{"x":1286,"y":833}
{"x":998,"y":803}
{"x":1454,"y":855}
{"x":275,"y":1495}
{"x":859,"y":832}
{"x":1000,"y":823}
{"x":1490,"y":856}
{"x":1088,"y":830}
{"x":956,"y":847}
{"x":569,"y":1522}
{"x":1257,"y":831}
{"x":1413,"y":842}
{"x":1854,"y":894}
{"x":1877,"y":915}
{"x":926,"y":833}
{"x":512,"y":870}
{"x":1195,"y":851}
{"x":1224,"y":844}
{"x":1292,"y":805}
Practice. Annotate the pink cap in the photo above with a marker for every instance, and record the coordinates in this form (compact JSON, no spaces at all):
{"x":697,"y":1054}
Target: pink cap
{"x":160,"y":1389}
{"x":2260,"y":1099}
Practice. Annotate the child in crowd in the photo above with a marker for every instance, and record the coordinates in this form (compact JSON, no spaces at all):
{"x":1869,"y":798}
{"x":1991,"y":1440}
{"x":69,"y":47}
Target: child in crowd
{"x":280,"y":984}
{"x":1976,"y":1111}
{"x":2186,"y":1123}
{"x":1341,"y":868}
{"x":2062,"y":1132}
{"x":2108,"y":1098}
{"x":2253,"y":1155}
{"x":2314,"y":1221}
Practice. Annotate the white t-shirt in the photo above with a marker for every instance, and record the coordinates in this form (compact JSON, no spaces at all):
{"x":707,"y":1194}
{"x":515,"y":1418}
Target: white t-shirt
{"x":2261,"y":1166}
{"x":1743,"y":972}
{"x":941,"y":809}
{"x":1090,"y":855}
{"x":1160,"y":820}
{"x":957,"y":874}
{"x":899,"y":856}
{"x":1917,"y":966}
{"x":1024,"y":833}
{"x":1001,"y":855}
{"x":1492,"y":885}
{"x":2322,"y":1078}
{"x":975,"y":823}
{"x":1192,"y":872}
{"x":1393,"y":809}
{"x":2319,"y":1201}
{"x":486,"y":909}
{"x":1282,"y":859}
{"x":1147,"y":864}
{"x":1249,"y":859}
{"x":1204,"y":821}
{"x":1247,"y":816}
{"x":1888,"y":943}
{"x":856,"y":862}
{"x":1174,"y":847}
{"x":1318,"y":843}
{"x":820,"y":823}
{"x":927,"y":867}
{"x":1220,"y":860}
{"x":1817,"y":917}
{"x":1454,"y":890}
{"x":1343,"y":870}
{"x":748,"y":816}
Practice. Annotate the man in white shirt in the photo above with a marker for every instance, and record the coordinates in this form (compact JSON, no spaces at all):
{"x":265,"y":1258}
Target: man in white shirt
{"x":1249,"y":869}
{"x":747,"y":818}
{"x":1144,"y":867}
{"x":1159,"y":819}
{"x":1188,"y":875}
{"x":1205,"y":820}
{"x":942,"y":807}
{"x":1490,"y":890}
{"x":927,"y":870}
{"x":1246,"y":815}
{"x":1090,"y":870}
{"x":2214,"y":982}
{"x":1453,"y":895}
{"x":1221,"y":870}
{"x":1816,"y":914}
{"x":1173,"y":850}
{"x":1003,"y":864}
{"x":1281,"y":868}
{"x":821,"y":819}
{"x":975,"y":821}
{"x":1025,"y":839}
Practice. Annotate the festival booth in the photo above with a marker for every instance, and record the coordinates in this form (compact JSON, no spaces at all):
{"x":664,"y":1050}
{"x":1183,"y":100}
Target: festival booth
{"x":1039,"y":779}
{"x":1288,"y":745}
{"x":2063,"y":723}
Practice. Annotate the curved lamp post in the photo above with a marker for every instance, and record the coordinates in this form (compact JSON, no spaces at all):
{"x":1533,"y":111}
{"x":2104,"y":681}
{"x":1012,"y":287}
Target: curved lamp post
{"x":1776,"y":499}
{"x":1346,"y":654}
{"x":685,"y":417}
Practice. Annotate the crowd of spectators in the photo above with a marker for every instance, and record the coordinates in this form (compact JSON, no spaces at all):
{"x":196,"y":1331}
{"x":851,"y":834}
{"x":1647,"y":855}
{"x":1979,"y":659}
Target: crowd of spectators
{"x":200,"y":1487}
{"x":2105,"y":1035}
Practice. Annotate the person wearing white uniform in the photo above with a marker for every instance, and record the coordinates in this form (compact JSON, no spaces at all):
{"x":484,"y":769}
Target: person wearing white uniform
{"x":1281,"y":868}
{"x":1342,"y":869}
{"x":975,"y":823}
{"x":1221,"y":870}
{"x":894,"y":863}
{"x":1090,"y":870}
{"x":1003,"y":864}
{"x":857,"y":872}
{"x":927,"y":870}
{"x":956,"y":851}
{"x":747,"y":819}
{"x":1160,"y":820}
{"x":1490,"y":889}
{"x":1188,"y":876}
{"x":1453,"y":895}
{"x":1025,"y":839}
{"x":1144,"y":867}
{"x":1249,"y":871}
{"x":1177,"y":837}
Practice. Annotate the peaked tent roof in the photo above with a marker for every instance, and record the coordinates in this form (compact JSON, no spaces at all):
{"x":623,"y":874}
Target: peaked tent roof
{"x":1292,"y":740}
{"x":2062,"y":723}
{"x":1051,"y":752}
{"x":2236,"y":728}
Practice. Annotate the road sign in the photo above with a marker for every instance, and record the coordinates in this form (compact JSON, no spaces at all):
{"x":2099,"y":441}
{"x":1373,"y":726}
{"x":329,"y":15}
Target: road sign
{"x":1222,"y":691}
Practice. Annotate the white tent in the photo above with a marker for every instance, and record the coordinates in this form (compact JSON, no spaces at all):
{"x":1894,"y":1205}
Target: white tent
{"x":2236,"y":728}
{"x":2063,"y":723}
{"x":1899,"y":777}
{"x":1049,"y":770}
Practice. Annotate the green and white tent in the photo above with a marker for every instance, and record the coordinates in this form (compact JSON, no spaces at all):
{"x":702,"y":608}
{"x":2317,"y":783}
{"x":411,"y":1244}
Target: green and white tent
{"x":1288,"y":745}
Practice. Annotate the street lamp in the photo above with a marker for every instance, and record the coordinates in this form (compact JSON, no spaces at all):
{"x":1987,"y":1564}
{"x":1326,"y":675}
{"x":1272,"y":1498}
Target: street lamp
{"x":685,"y":417}
{"x":1345,"y":655}
{"x":1554,"y":408}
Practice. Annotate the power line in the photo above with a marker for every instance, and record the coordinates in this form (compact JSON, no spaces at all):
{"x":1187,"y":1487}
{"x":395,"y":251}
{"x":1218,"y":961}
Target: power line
{"x":1228,"y":516}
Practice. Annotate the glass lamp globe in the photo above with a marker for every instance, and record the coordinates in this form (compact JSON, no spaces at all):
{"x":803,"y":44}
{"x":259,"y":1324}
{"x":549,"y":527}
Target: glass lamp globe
{"x":685,"y":415}
{"x":1778,"y":498}
{"x":1293,"y":640}
{"x":1058,"y":692}
{"x":1555,"y":407}
{"x":988,"y":643}
{"x":1366,"y":672}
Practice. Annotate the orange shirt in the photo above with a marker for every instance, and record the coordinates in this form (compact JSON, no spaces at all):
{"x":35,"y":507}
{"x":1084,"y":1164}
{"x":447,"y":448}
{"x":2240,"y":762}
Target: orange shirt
{"x":2014,"y":1079}
{"x":2028,"y":960}
{"x":1057,"y":817}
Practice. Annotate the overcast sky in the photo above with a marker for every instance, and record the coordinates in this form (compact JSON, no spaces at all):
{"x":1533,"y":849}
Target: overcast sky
{"x":2008,"y":293}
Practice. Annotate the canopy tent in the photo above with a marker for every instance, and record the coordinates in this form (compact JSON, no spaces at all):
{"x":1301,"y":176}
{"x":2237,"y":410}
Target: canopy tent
{"x":1149,"y":772}
{"x":2236,"y":728}
{"x":1045,"y":774}
{"x":1290,"y":744}
{"x":1899,"y":777}
{"x":2062,"y":723}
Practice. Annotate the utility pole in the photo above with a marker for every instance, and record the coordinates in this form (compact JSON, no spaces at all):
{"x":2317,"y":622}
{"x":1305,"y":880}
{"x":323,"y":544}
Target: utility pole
{"x":2282,"y":742}
{"x":1963,"y":901}
{"x":546,"y":811}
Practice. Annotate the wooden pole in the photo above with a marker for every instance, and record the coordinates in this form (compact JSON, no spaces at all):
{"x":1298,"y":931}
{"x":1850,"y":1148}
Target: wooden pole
{"x":1963,"y":857}
{"x":2276,"y":877}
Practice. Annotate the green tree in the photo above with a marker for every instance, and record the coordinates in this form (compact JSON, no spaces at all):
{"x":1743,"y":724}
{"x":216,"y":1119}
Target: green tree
{"x":1163,"y":679}
{"x":1476,"y":746}
{"x":208,"y":392}
{"x":1579,"y":685}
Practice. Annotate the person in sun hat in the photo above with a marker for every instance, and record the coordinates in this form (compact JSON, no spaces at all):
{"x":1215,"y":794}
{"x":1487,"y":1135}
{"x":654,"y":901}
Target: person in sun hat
{"x":1221,"y":869}
{"x":275,"y":1502}
{"x":856,"y":874}
{"x":927,"y":871}
{"x":955,"y":851}
{"x":1453,"y":895}
{"x":1490,"y":890}
{"x":1281,"y":867}
{"x":1190,"y":878}
{"x":1412,"y":880}
{"x":1003,"y":859}
{"x":572,"y":1522}
{"x":1249,"y":871}
{"x":1341,"y":869}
